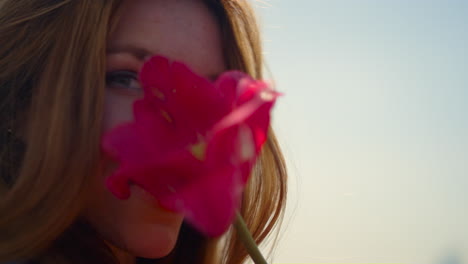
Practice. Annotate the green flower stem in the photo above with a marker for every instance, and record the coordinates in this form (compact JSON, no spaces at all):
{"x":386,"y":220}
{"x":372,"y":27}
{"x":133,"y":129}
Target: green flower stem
{"x":244,"y":235}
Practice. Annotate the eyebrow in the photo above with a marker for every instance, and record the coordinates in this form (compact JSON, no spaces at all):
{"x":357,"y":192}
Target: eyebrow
{"x":137,"y":52}
{"x":141,"y":53}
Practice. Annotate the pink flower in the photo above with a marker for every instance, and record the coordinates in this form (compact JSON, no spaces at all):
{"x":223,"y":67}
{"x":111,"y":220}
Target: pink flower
{"x":193,"y":142}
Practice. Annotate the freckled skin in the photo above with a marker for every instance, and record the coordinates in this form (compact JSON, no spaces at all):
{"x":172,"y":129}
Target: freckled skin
{"x":182,"y":30}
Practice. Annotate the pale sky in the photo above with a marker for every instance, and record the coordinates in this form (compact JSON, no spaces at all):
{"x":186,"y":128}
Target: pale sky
{"x":373,"y":125}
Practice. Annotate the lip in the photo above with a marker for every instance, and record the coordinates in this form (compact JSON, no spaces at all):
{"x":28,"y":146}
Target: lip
{"x":148,"y":198}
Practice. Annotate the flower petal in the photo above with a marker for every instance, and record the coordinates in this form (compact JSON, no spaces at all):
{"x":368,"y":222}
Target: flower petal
{"x":209,"y":203}
{"x":124,"y":144}
{"x":193,"y":143}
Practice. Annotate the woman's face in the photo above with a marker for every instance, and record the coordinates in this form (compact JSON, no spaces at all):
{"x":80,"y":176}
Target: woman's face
{"x":183,"y":30}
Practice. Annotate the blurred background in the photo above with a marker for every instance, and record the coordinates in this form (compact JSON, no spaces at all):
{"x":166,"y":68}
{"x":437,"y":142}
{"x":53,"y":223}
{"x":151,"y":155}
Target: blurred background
{"x":374,"y":128}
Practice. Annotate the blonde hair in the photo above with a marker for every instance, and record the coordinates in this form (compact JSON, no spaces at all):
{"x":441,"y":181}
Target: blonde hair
{"x":52,"y":68}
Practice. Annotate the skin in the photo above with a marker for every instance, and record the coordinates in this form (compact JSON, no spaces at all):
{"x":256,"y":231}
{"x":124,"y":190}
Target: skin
{"x":183,"y":30}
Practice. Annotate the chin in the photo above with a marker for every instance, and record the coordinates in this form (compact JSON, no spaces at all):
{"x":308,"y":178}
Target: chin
{"x":138,"y":226}
{"x":155,"y":242}
{"x":147,"y":233}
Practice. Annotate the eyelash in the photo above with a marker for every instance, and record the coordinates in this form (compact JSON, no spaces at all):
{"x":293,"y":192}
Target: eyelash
{"x":114,"y":80}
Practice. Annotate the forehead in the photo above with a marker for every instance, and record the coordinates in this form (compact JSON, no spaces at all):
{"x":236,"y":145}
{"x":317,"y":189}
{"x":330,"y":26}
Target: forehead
{"x":184,"y":30}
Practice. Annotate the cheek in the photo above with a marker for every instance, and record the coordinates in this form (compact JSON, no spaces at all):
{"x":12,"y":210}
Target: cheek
{"x":137,"y":225}
{"x":117,"y":109}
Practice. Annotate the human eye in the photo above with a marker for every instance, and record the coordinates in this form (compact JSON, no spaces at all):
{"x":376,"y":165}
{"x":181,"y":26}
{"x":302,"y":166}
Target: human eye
{"x":123,"y":80}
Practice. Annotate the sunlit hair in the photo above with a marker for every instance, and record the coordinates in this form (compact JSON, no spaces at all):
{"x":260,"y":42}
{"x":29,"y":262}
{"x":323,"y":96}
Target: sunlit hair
{"x":52,"y":83}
